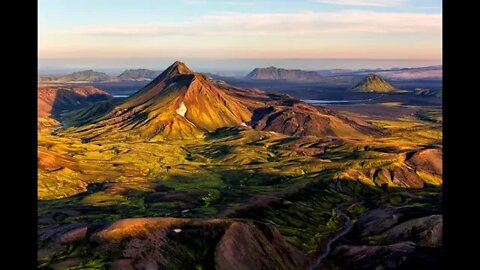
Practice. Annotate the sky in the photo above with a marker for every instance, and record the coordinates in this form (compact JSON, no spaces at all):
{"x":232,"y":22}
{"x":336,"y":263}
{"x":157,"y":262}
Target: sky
{"x":236,"y":34}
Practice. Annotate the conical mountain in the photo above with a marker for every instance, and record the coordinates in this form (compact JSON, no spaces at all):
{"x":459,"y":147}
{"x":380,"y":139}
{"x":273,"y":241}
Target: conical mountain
{"x":178,"y":104}
{"x":373,"y":83}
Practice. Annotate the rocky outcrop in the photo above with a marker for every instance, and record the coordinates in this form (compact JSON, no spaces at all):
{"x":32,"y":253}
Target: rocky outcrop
{"x":249,"y":246}
{"x":373,"y":257}
{"x":424,"y":231}
{"x":380,"y":220}
{"x":392,"y":238}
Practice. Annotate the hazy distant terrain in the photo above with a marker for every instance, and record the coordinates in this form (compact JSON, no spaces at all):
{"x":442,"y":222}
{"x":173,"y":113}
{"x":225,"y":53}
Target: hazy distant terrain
{"x":91,"y":76}
{"x":330,"y":85}
{"x":425,"y":73}
{"x":273,"y":73}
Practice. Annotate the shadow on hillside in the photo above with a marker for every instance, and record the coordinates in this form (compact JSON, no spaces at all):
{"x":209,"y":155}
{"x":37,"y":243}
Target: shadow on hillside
{"x":235,"y":195}
{"x":174,"y":195}
{"x":305,"y":215}
{"x":67,"y":101}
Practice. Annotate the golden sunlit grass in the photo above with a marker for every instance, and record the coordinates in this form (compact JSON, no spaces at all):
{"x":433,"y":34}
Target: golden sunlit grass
{"x":103,"y":199}
{"x":134,"y":227}
{"x":390,"y":104}
{"x":248,"y":161}
{"x":430,"y":178}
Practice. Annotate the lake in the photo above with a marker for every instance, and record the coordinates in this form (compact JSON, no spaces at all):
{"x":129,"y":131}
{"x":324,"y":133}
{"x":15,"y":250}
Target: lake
{"x":325,"y":101}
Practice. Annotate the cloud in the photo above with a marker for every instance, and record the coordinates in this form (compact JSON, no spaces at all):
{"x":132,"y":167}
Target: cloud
{"x":370,"y":3}
{"x":306,"y":24}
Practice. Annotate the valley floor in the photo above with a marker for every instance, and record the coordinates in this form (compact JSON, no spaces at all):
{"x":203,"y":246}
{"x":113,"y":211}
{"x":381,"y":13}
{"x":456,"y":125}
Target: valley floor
{"x":296,"y":201}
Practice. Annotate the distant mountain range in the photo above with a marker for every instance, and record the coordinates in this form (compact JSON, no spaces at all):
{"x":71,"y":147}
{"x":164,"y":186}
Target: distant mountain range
{"x":273,"y":73}
{"x":268,"y":73}
{"x":94,"y":76}
{"x":80,"y":76}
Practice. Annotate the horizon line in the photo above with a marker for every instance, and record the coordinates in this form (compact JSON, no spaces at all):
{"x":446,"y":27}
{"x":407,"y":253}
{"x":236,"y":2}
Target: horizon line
{"x":217,"y":58}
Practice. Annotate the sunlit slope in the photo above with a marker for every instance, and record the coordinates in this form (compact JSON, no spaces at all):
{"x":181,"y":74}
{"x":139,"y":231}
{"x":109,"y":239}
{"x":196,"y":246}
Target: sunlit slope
{"x":178,"y":104}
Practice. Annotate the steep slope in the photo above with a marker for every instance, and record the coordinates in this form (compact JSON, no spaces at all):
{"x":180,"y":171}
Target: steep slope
{"x":177,"y":104}
{"x":273,"y":73}
{"x":138,"y":75}
{"x":373,"y":83}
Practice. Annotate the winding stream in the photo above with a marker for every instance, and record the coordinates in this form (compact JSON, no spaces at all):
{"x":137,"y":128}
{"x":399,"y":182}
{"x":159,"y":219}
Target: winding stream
{"x":347,"y":226}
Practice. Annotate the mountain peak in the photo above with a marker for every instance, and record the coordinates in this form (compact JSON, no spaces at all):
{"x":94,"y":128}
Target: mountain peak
{"x":175,"y":69}
{"x":373,"y":76}
{"x":180,"y":67}
{"x":373,"y":83}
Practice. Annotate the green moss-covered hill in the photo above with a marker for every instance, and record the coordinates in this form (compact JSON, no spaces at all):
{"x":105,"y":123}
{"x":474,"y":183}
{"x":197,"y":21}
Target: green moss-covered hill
{"x":373,"y":83}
